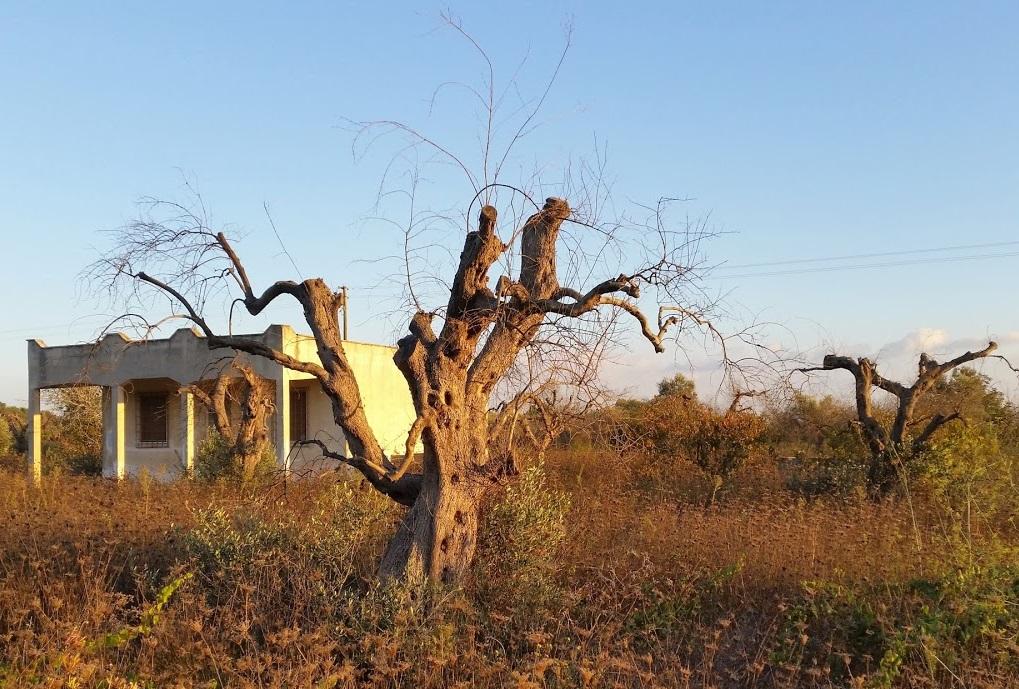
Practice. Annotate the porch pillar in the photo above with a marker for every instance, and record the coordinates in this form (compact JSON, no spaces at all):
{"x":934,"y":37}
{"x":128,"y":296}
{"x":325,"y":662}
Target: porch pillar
{"x":187,"y":431}
{"x":282,"y":420}
{"x":114,"y":421}
{"x":33,"y":433}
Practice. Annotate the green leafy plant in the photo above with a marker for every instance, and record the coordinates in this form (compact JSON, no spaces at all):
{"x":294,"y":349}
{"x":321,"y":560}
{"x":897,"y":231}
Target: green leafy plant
{"x":149,"y":618}
{"x":216,"y":460}
{"x":521,"y":537}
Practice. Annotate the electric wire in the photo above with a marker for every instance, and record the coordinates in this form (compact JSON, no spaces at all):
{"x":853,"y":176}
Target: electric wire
{"x":882,"y":254}
{"x":865,"y":266}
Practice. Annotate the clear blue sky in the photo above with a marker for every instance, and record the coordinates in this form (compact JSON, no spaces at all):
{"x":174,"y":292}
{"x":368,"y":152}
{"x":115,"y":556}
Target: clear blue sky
{"x":805,"y":129}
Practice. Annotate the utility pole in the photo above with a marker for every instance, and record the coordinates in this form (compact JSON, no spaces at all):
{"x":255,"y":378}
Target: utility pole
{"x":346,"y":313}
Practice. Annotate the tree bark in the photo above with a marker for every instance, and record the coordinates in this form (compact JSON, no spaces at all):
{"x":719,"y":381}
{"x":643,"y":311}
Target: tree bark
{"x":249,"y":436}
{"x":437,"y":537}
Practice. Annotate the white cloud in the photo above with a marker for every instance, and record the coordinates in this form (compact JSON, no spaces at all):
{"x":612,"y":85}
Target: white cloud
{"x":637,"y":373}
{"x":920,"y":340}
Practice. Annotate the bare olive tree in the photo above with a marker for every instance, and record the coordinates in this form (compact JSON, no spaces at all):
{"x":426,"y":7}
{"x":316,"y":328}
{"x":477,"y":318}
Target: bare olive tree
{"x":456,"y":354}
{"x":246,"y":431}
{"x":893,"y":443}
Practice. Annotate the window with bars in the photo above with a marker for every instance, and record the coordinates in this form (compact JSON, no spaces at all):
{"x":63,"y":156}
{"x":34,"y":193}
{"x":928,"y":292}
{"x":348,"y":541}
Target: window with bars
{"x":298,"y":414}
{"x":152,"y":420}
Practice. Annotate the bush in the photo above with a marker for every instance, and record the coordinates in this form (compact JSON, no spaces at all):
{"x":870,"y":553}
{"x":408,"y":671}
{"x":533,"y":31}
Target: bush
{"x":304,"y":562}
{"x":815,"y":477}
{"x":673,"y":429}
{"x":520,"y":539}
{"x":814,"y":427}
{"x":720,"y":443}
{"x":216,"y":460}
{"x":73,"y":435}
{"x":966,"y":472}
{"x":6,"y":438}
{"x":922,"y":628}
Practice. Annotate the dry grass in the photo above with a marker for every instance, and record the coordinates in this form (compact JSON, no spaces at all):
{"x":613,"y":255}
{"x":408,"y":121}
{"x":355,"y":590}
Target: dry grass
{"x":615,"y":577}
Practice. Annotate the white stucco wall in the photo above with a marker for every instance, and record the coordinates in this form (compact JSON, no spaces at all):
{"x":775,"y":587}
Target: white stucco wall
{"x":127,"y":367}
{"x":387,"y":402}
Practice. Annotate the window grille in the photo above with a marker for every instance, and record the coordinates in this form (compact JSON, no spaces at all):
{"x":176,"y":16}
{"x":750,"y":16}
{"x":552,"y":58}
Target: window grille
{"x":152,"y":420}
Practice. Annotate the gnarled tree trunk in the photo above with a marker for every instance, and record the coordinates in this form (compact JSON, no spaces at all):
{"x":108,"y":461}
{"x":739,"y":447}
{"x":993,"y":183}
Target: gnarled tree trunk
{"x":451,"y":374}
{"x":248,"y":436}
{"x":438,"y":535}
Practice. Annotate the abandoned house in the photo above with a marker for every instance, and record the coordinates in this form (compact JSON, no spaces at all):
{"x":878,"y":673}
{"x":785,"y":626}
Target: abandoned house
{"x":152,"y":423}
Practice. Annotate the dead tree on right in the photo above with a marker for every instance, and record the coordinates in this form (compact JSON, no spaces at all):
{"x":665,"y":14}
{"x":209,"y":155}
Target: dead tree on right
{"x":894,"y":443}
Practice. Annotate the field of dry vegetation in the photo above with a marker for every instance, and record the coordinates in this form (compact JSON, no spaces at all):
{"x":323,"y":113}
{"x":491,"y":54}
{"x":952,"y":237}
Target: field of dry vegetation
{"x":596,"y":569}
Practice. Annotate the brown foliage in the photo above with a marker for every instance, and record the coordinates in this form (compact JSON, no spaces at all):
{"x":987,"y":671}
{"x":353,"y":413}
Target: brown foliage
{"x":642,"y":589}
{"x":673,"y":428}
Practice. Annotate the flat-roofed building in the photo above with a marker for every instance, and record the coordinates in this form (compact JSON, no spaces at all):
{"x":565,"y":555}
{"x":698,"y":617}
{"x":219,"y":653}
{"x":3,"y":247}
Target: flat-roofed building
{"x":152,"y":423}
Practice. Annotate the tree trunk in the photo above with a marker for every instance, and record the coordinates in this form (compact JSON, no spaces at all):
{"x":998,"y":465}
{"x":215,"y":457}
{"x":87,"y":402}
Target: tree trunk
{"x":247,"y":435}
{"x":882,"y":474}
{"x":889,"y":446}
{"x":883,"y":471}
{"x":437,"y":537}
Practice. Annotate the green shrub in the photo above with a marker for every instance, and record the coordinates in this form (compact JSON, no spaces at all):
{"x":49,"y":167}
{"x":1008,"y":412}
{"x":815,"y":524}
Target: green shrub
{"x":927,"y":626}
{"x":967,"y":473}
{"x":343,"y":529}
{"x":815,"y":477}
{"x":520,"y":541}
{"x":674,"y":608}
{"x":216,"y":460}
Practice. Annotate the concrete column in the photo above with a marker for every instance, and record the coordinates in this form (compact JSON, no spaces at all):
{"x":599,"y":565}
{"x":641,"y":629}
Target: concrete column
{"x":187,"y":430}
{"x":33,"y":433}
{"x":282,"y":420}
{"x":114,"y":429}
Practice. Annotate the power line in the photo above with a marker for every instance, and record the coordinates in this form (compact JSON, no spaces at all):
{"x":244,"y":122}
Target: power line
{"x":795,"y":261}
{"x":861,"y":266}
{"x":883,"y":254}
{"x":283,"y":246}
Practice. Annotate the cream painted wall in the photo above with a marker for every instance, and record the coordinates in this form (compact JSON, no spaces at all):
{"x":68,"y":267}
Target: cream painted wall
{"x":387,"y":401}
{"x":386,"y":397}
{"x":185,"y":358}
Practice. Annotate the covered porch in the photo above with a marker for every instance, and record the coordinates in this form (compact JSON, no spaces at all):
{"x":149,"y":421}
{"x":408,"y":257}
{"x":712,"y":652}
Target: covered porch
{"x":151,"y":422}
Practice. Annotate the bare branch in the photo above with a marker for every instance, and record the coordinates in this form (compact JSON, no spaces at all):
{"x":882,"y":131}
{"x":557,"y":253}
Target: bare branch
{"x":403,"y":490}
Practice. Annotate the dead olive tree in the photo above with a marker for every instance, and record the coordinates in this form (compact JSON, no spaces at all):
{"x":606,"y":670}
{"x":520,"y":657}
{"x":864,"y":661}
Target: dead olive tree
{"x":245,"y":432}
{"x":451,"y":371}
{"x":455,"y":356}
{"x":893,"y":443}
